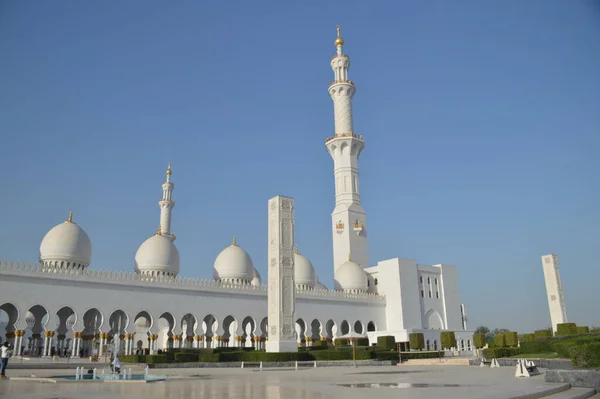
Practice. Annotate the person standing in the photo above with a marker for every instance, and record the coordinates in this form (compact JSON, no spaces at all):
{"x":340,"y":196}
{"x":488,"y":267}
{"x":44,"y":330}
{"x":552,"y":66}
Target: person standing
{"x":5,"y":353}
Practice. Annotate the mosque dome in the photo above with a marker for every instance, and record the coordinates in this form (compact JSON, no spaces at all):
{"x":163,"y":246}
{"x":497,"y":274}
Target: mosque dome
{"x":66,"y":245}
{"x":304,"y":272}
{"x":29,"y":319}
{"x":234,"y":265}
{"x":320,"y":286}
{"x":351,"y":277}
{"x":158,"y":256}
{"x":256,"y":281}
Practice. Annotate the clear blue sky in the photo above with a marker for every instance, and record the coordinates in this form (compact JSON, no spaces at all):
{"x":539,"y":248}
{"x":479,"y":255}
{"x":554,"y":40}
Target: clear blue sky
{"x":481,"y":122}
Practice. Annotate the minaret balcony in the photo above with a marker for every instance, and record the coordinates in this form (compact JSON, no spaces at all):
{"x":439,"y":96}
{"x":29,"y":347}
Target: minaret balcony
{"x":342,"y":81}
{"x":339,"y":227}
{"x":341,"y":135}
{"x":358,"y":227}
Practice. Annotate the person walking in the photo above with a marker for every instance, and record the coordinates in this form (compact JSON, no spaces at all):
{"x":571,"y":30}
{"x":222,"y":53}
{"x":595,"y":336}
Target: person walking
{"x":5,"y":353}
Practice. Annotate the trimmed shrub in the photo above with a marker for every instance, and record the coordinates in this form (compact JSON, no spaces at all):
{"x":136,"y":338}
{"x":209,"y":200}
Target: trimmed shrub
{"x":586,"y":356}
{"x":340,"y":342}
{"x":501,"y":352}
{"x":182,"y":357}
{"x":512,"y":339}
{"x":386,"y":355}
{"x":499,"y":341}
{"x":417,"y":340}
{"x":479,"y":340}
{"x":332,"y":355}
{"x":528,"y":338}
{"x":421,"y":355}
{"x":543,"y":334}
{"x":132,"y":358}
{"x":387,"y":342}
{"x":563,"y":329}
{"x":362,"y":342}
{"x":150,"y":359}
{"x":208,"y":357}
{"x":583,"y":329}
{"x":319,"y":344}
{"x":447,"y":339}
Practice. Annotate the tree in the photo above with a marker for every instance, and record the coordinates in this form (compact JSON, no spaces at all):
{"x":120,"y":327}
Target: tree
{"x":447,"y":339}
{"x":417,"y":340}
{"x":482,"y":330}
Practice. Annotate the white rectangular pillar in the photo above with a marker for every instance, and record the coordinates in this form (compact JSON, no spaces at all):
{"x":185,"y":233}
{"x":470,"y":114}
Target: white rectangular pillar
{"x":281,"y":286}
{"x":554,"y":291}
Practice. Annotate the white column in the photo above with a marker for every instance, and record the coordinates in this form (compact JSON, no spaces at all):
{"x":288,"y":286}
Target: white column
{"x":281,"y":295}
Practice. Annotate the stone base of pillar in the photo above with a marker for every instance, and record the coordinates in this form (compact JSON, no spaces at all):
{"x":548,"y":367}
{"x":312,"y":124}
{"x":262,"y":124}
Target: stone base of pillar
{"x":282,"y":346}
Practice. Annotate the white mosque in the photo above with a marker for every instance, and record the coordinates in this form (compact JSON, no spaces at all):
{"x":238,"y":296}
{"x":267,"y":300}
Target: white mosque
{"x":63,"y":305}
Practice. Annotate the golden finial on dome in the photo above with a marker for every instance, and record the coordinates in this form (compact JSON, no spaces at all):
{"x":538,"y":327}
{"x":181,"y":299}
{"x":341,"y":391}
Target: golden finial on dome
{"x":169,"y":169}
{"x":234,"y":244}
{"x":297,"y":250}
{"x":339,"y":41}
{"x":70,"y":216}
{"x":349,"y":257}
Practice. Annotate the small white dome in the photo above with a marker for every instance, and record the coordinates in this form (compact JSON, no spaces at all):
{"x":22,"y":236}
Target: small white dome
{"x":351,"y":277}
{"x":234,"y":264}
{"x":256,"y":281}
{"x":66,"y":245}
{"x":320,"y":286}
{"x":157,"y":254}
{"x":30,"y":319}
{"x":304,"y":272}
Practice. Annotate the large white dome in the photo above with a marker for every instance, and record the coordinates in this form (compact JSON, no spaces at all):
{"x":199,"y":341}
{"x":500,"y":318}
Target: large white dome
{"x":66,"y":245}
{"x":320,"y":286}
{"x":304,"y":272}
{"x":158,"y":255}
{"x":351,"y":277}
{"x":234,"y":265}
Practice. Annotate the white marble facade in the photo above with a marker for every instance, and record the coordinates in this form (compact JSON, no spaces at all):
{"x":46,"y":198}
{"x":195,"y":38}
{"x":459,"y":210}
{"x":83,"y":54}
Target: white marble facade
{"x":64,"y":305}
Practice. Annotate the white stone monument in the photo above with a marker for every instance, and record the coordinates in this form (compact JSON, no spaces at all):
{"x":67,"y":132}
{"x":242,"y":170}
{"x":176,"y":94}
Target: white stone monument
{"x":281,"y":297}
{"x":556,"y":300}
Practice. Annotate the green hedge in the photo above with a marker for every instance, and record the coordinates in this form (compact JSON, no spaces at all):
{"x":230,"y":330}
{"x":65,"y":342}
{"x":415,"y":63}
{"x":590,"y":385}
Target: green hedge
{"x":536,"y":347}
{"x":362,"y":342}
{"x":583,"y":329}
{"x":499,"y":341}
{"x":340,"y":342}
{"x":543,"y":334}
{"x":421,"y":355}
{"x":528,"y":338}
{"x":512,"y":339}
{"x":563,"y":329}
{"x":447,"y":339}
{"x":156,"y":359}
{"x":183,"y":357}
{"x":417,"y":340}
{"x":319,"y":344}
{"x":500,"y":352}
{"x":479,"y":340}
{"x":387,"y":342}
{"x":386,"y":355}
{"x":208,"y":357}
{"x":586,"y":355}
{"x":132,"y":358}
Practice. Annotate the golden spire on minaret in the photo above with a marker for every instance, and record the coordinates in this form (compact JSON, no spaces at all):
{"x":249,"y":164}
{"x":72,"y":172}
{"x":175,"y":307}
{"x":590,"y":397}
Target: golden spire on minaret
{"x":339,"y":41}
{"x":70,"y":217}
{"x":349,"y":257}
{"x":169,"y":169}
{"x":234,"y":244}
{"x":297,"y":250}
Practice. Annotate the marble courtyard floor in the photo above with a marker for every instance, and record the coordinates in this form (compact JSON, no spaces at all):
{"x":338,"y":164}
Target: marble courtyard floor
{"x":320,"y":383}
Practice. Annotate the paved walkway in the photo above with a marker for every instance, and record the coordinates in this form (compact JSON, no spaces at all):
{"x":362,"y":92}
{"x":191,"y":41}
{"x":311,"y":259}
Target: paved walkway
{"x":333,"y":382}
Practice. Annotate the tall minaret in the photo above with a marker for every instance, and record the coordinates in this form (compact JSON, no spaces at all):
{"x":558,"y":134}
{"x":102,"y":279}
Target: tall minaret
{"x":166,"y":205}
{"x":348,"y":218}
{"x":554,"y":291}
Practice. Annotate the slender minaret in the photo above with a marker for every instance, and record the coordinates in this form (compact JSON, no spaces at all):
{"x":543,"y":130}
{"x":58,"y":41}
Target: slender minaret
{"x":554,"y":291}
{"x":348,"y":218}
{"x":166,"y":205}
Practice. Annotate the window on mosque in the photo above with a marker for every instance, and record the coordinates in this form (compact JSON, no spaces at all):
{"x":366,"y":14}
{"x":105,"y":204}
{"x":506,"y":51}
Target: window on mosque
{"x":429,"y":294}
{"x":375,"y":281}
{"x":421,"y":279}
{"x":422,"y":294}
